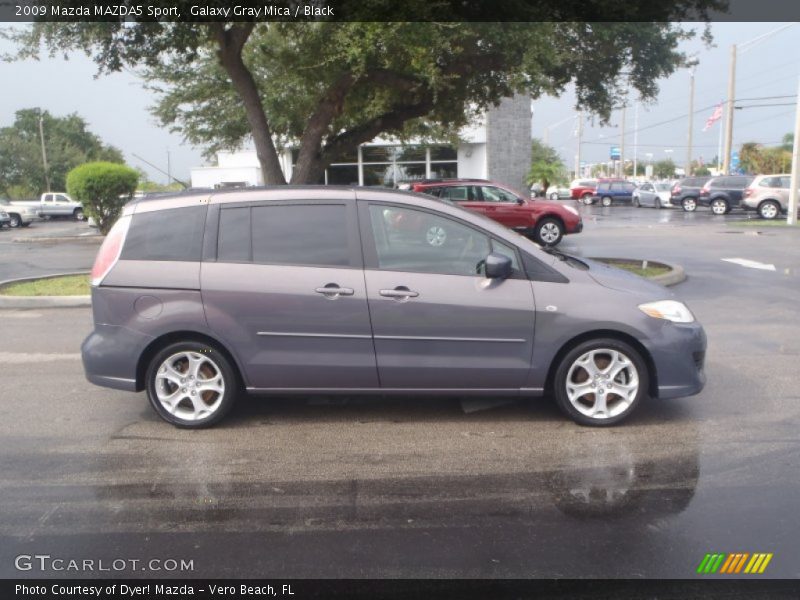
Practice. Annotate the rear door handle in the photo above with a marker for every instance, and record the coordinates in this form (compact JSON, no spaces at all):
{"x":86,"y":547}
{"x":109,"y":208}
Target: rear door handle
{"x":332,"y":290}
{"x":399,"y":292}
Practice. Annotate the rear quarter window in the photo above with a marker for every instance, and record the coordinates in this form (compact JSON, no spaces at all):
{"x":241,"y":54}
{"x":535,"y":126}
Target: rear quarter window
{"x":173,"y":234}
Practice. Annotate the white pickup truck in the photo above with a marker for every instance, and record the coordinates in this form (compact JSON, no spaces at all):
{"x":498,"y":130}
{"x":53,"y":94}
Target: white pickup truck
{"x":55,"y":204}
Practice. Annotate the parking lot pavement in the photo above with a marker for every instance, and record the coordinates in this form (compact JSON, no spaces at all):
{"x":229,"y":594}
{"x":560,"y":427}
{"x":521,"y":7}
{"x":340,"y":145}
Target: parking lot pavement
{"x":34,"y":258}
{"x":414,"y":487}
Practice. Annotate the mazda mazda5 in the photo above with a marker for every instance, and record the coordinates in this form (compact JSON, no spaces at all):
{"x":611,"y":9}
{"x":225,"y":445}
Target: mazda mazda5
{"x":198,"y":298}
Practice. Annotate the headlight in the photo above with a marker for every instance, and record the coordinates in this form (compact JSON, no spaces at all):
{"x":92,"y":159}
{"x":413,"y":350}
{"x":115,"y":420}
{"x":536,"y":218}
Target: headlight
{"x":671,"y":310}
{"x":574,"y":211}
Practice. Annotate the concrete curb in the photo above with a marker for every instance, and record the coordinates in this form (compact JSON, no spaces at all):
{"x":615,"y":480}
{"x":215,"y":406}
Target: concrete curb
{"x":26,"y":302}
{"x":675,"y":276}
{"x":49,"y":239}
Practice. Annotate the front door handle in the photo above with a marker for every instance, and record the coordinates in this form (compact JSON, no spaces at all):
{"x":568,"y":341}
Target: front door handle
{"x":400,"y":293}
{"x":333,"y":291}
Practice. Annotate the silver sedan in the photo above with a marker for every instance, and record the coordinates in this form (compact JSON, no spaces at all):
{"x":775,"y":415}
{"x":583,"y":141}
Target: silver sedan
{"x":656,"y":195}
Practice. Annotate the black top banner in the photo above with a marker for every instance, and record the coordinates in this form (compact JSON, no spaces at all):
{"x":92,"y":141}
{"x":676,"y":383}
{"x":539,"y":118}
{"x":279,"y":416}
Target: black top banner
{"x":407,"y":11}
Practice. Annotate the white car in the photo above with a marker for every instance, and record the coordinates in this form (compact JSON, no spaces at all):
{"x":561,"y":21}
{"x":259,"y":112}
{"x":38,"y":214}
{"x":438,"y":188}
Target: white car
{"x":557,"y":192}
{"x":656,"y":195}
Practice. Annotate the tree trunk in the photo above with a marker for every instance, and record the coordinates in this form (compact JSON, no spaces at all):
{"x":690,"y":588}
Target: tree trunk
{"x":230,"y":42}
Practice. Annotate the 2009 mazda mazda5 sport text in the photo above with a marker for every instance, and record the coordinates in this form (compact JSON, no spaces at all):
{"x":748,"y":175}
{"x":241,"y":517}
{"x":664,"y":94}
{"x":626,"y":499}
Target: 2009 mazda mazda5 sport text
{"x":199,"y":297}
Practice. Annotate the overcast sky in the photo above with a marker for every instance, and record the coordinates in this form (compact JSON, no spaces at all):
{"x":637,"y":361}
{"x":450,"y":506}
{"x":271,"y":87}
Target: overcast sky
{"x":116,"y":106}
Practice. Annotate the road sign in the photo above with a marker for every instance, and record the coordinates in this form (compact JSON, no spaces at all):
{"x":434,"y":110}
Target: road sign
{"x":734,"y":162}
{"x":615,"y":153}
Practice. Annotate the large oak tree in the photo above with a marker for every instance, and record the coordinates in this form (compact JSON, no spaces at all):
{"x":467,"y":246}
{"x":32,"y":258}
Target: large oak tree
{"x":327,"y":87}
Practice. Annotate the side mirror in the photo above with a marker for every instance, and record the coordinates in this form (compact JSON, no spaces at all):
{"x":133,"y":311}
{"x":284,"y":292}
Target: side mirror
{"x":520,"y":201}
{"x":497,"y":266}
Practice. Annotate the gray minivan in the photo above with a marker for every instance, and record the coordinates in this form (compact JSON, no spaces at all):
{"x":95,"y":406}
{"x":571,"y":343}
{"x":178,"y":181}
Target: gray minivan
{"x":305,"y":290}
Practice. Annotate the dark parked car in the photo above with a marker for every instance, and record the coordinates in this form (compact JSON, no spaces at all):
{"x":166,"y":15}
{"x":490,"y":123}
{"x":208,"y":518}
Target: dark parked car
{"x":306,"y":290}
{"x":543,"y":221}
{"x":724,"y":193}
{"x":686,"y":192}
{"x":613,"y":191}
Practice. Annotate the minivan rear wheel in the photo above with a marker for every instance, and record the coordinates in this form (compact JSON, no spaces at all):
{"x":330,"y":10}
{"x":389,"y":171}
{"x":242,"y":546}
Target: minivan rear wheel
{"x":191,"y":384}
{"x":600,"y":382}
{"x":606,"y":201}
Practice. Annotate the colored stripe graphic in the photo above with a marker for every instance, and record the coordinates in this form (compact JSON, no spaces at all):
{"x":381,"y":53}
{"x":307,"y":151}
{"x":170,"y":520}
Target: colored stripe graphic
{"x":733,"y":563}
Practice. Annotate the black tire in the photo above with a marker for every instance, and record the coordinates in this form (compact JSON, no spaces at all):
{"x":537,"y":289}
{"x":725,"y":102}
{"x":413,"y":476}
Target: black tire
{"x":636,"y":203}
{"x":548,"y":232}
{"x":606,"y":201}
{"x":720,"y":206}
{"x":769,"y":209}
{"x":78,"y":215}
{"x":657,"y":203}
{"x":689,"y":204}
{"x":554,"y":196}
{"x":562,"y":371}
{"x":587,"y":199}
{"x":232,"y":385}
{"x":28,"y":224}
{"x":16,"y":220}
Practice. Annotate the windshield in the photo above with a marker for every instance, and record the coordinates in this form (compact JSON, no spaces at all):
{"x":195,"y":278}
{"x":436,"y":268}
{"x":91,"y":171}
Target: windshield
{"x":662,"y":187}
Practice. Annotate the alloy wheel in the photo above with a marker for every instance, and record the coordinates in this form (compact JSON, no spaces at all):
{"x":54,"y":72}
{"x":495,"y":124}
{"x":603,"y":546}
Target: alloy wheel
{"x":689,"y":204}
{"x":602,"y":383}
{"x":436,"y":236}
{"x":719,"y":207}
{"x":189,"y":385}
{"x":768,"y":210}
{"x":550,"y":233}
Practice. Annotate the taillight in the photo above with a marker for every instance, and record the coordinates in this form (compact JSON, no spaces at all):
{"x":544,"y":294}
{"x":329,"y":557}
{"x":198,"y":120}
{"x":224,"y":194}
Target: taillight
{"x":676,"y":190}
{"x":705,"y":190}
{"x":748,"y":192}
{"x":110,"y":250}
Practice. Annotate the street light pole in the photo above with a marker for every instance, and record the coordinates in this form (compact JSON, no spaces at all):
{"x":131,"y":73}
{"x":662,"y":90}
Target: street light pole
{"x":44,"y":152}
{"x":688,"y":171}
{"x":726,"y":152}
{"x":578,"y":154}
{"x":622,"y":146}
{"x":635,"y":139}
{"x":794,"y":181}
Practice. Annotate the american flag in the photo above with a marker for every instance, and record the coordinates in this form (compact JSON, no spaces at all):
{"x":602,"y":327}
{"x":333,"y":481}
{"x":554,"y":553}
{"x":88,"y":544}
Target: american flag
{"x":715,"y":116}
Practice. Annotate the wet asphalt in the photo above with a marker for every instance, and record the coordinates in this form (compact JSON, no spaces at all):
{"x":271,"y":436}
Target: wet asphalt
{"x":376,"y":487}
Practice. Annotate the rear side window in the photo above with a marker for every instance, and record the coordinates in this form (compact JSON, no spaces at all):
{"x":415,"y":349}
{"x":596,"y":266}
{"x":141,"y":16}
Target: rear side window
{"x":174,"y":234}
{"x":300,"y":235}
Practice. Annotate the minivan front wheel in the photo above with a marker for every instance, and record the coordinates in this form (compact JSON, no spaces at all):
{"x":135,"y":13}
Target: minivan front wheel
{"x":600,"y":382}
{"x":191,"y":384}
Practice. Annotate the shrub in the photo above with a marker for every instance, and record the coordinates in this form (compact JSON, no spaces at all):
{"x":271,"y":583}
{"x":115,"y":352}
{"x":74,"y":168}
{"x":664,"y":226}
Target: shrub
{"x":103,"y":188}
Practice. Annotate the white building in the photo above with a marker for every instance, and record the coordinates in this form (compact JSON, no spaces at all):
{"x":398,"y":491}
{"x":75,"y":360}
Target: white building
{"x":497,"y":148}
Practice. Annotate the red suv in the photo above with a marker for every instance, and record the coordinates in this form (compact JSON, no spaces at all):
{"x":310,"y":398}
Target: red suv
{"x":543,"y":221}
{"x":583,"y":189}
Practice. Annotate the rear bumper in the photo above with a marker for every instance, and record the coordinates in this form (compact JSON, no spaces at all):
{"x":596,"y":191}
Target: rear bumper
{"x":111,"y":354}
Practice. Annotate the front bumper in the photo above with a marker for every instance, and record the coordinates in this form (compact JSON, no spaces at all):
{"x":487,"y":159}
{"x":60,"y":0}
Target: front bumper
{"x":679,"y":360}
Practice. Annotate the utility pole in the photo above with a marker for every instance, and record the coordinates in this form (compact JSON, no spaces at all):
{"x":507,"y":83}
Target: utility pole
{"x":578,"y":157}
{"x":169,"y":168}
{"x":691,"y":122}
{"x":44,"y":152}
{"x":794,"y":182}
{"x":635,"y":138}
{"x":726,"y":156}
{"x":622,"y":146}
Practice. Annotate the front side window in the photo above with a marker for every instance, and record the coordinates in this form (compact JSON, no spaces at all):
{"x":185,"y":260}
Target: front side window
{"x":422,"y":242}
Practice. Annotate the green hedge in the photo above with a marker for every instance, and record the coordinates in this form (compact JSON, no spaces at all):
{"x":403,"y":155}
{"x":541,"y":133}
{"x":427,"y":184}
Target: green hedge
{"x":103,"y":188}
